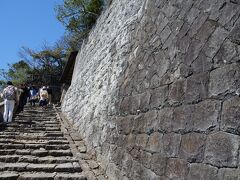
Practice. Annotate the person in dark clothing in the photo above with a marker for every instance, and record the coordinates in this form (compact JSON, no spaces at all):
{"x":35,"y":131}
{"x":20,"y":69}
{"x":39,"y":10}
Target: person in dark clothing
{"x":49,"y":90}
{"x":25,"y":94}
{"x":33,"y":95}
{"x":20,"y":99}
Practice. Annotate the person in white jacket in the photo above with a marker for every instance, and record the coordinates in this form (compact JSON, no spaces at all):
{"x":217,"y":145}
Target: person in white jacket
{"x":43,"y":97}
{"x":10,"y":98}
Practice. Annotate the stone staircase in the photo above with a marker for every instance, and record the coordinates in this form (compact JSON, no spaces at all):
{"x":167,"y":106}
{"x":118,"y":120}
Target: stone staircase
{"x":34,"y":147}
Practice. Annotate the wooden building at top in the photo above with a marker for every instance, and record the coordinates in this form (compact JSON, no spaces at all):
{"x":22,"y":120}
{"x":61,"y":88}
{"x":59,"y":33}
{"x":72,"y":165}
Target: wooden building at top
{"x":67,"y":74}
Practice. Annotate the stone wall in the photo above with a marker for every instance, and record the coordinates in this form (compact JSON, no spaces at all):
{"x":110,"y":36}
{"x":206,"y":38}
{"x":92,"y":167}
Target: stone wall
{"x":156,"y":90}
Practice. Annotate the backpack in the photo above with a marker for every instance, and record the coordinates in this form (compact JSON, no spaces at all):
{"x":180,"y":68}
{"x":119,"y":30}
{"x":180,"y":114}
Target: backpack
{"x":44,"y":94}
{"x":9,"y":93}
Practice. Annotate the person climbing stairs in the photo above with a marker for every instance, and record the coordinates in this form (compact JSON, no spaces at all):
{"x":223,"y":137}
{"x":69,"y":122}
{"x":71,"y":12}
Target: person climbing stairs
{"x":37,"y":145}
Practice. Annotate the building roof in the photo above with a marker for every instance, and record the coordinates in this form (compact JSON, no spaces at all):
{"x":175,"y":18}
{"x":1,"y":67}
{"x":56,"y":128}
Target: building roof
{"x":69,"y":67}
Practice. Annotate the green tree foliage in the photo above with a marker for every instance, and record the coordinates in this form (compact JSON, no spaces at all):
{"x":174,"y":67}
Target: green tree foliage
{"x":17,"y":72}
{"x":49,"y":61}
{"x":78,"y":16}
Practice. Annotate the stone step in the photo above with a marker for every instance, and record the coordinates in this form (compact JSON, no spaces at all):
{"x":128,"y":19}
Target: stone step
{"x":10,"y":149}
{"x":47,"y":159}
{"x":40,"y":141}
{"x":29,"y":137}
{"x":11,"y":175}
{"x":40,"y":156}
{"x":7,"y":151}
{"x":34,"y":159}
{"x":57,"y":144}
{"x":6,"y":132}
{"x":32,"y":129}
{"x":30,"y":167}
{"x":57,"y":147}
{"x":30,"y":125}
{"x":11,"y":146}
{"x":23,"y":141}
{"x":33,"y":147}
{"x":4,"y":136}
{"x":72,"y":176}
{"x":53,"y":134}
{"x":58,"y":153}
{"x":9,"y":158}
{"x":22,"y":129}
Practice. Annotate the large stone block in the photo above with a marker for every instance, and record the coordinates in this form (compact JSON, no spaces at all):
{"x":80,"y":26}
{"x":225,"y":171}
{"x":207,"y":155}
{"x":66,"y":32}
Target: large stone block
{"x":215,"y":41}
{"x":202,"y":64}
{"x":214,"y":7}
{"x":202,"y":172}
{"x":231,"y":115}
{"x":140,"y":172}
{"x":158,"y":164}
{"x":200,"y":117}
{"x":206,"y":115}
{"x":192,"y":147}
{"x":224,"y":80}
{"x":229,"y":174}
{"x":183,"y":43}
{"x":228,"y":11}
{"x":171,"y":144}
{"x":155,"y":143}
{"x":205,"y":30}
{"x":222,"y":150}
{"x":177,"y":91}
{"x":117,"y":156}
{"x":177,"y":169}
{"x":226,"y":53}
{"x":138,"y":124}
{"x":127,"y":162}
{"x":182,"y":118}
{"x":151,"y":122}
{"x":165,"y":118}
{"x":131,"y":141}
{"x":176,"y":26}
{"x":134,"y":104}
{"x":145,"y":158}
{"x":197,"y":24}
{"x":146,"y":122}
{"x":141,"y":140}
{"x":165,"y":33}
{"x":192,"y":15}
{"x":144,"y":101}
{"x":124,"y":124}
{"x":124,"y":105}
{"x":158,"y":96}
{"x":193,"y":51}
{"x":235,"y":34}
{"x":120,"y":140}
{"x":196,"y":87}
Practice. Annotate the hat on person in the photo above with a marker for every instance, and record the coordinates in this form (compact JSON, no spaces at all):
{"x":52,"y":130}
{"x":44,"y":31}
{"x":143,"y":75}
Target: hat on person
{"x":9,"y":83}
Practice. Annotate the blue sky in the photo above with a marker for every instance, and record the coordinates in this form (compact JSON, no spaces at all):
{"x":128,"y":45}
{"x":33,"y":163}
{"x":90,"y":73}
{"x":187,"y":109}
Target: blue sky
{"x":27,"y":23}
